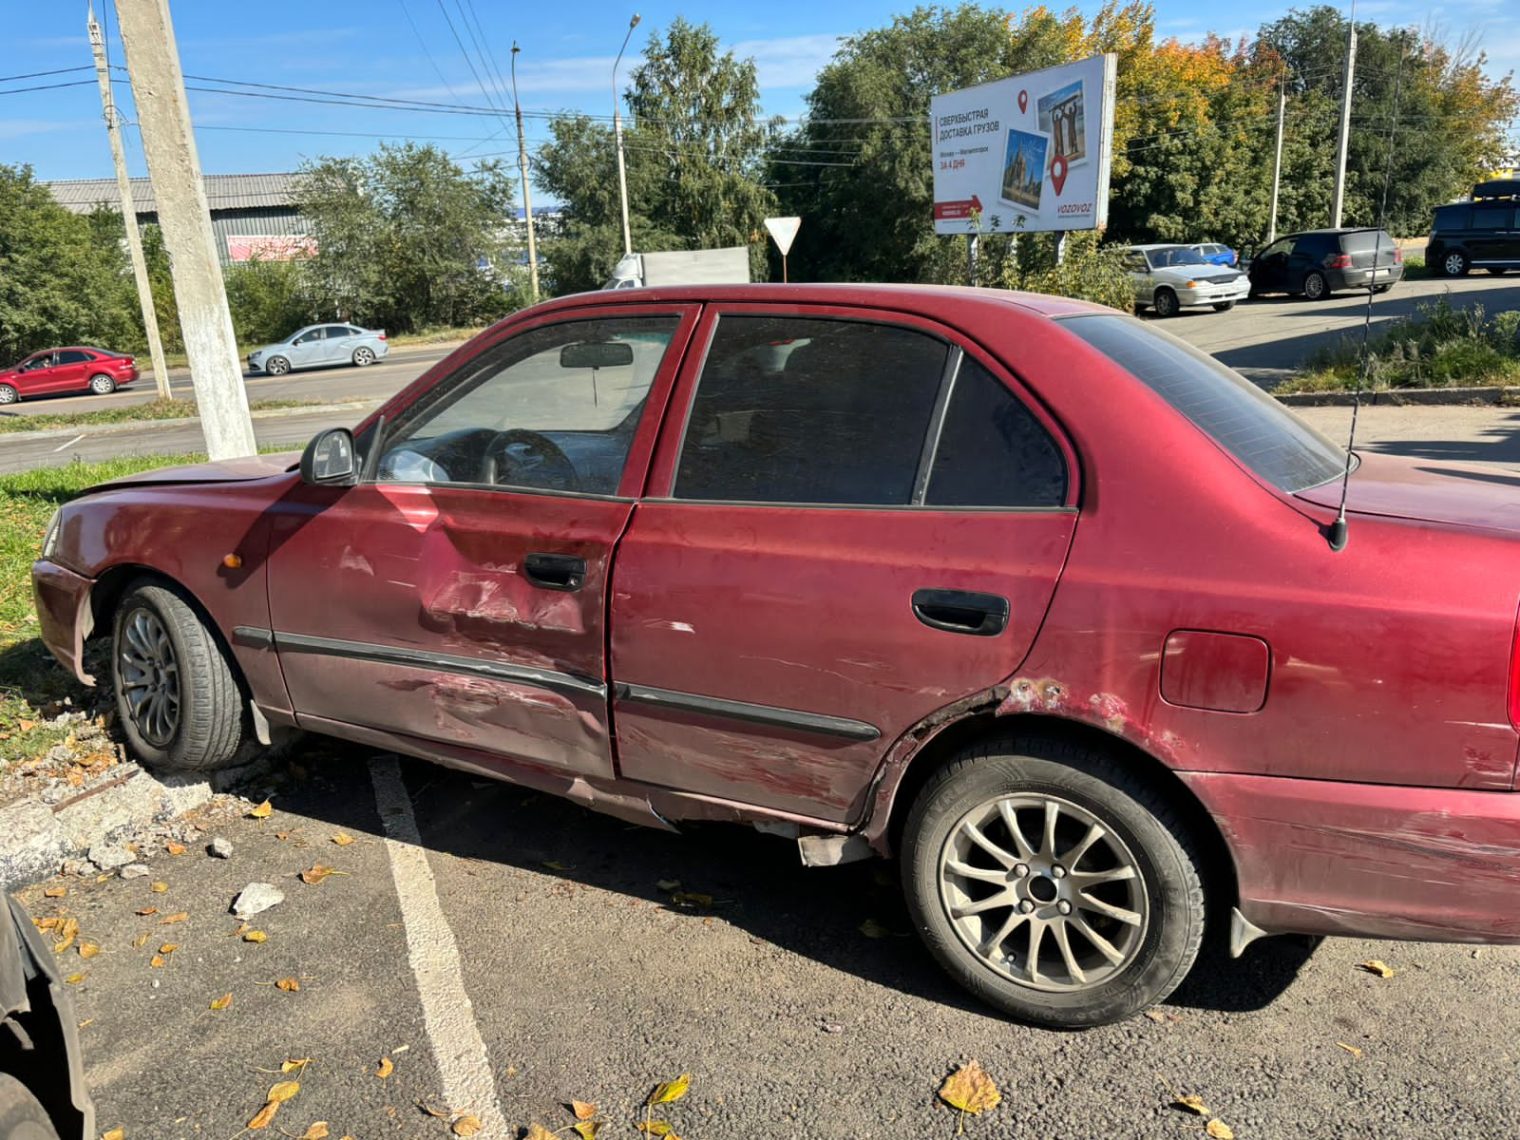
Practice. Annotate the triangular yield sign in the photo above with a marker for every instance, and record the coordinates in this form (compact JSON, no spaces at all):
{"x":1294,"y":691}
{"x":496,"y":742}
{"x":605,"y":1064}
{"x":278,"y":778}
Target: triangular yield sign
{"x":784,"y":232}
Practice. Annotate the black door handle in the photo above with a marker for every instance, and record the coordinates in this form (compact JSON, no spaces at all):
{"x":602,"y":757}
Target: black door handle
{"x":961,"y":611}
{"x":555,"y":571}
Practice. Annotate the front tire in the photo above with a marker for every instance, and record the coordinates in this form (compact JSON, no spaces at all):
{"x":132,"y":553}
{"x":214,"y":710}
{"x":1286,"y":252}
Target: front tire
{"x":276,"y":366}
{"x":364,"y":357}
{"x":1316,"y":288}
{"x":1166,"y":304}
{"x":102,"y":385}
{"x":177,"y":698}
{"x":1052,"y":883}
{"x":1455,"y":264}
{"x":9,"y":395}
{"x":22,"y":1116}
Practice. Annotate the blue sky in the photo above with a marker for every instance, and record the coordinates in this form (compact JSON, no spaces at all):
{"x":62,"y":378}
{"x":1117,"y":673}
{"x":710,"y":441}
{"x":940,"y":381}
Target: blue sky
{"x":368,"y":47}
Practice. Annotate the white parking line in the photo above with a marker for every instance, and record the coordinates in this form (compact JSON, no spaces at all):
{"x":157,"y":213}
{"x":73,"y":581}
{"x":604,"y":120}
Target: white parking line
{"x":463,"y":1064}
{"x":71,"y":443}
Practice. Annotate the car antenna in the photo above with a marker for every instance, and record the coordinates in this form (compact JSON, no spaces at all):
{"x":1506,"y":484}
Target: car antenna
{"x":1337,"y":533}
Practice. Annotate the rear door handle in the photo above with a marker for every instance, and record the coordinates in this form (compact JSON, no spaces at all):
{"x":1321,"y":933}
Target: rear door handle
{"x":961,"y":611}
{"x":555,"y":571}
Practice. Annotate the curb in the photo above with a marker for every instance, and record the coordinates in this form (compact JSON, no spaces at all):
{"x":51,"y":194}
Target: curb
{"x":35,"y":837}
{"x":1406,"y":397}
{"x":149,"y":425}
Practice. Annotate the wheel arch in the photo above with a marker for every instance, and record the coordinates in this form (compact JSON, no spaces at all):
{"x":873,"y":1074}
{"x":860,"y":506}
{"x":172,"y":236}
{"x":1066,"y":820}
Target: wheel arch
{"x":1221,"y":880}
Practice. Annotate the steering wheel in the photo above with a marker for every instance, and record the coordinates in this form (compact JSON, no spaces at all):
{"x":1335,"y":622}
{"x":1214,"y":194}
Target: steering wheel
{"x":527,"y":459}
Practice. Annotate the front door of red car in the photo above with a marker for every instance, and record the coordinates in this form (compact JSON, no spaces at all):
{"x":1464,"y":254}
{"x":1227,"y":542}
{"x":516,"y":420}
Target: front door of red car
{"x":37,"y":376}
{"x":458,"y":595}
{"x":859,"y":521}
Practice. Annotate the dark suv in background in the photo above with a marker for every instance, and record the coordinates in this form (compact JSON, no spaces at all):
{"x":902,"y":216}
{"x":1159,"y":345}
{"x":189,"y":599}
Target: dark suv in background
{"x":1481,"y":234}
{"x":1317,"y":263}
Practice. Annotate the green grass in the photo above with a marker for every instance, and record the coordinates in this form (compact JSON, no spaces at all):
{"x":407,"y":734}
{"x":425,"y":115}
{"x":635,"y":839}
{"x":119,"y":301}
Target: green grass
{"x":130,"y":413}
{"x":439,"y":334}
{"x":29,"y":677}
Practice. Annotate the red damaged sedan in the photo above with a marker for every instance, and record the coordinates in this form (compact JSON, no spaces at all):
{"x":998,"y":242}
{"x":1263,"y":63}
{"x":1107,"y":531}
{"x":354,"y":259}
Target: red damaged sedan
{"x":59,"y":371}
{"x":1039,"y":600}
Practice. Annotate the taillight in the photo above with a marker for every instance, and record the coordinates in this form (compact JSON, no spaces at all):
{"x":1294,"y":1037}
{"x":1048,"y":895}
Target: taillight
{"x":1398,"y":256}
{"x":1338,"y":261}
{"x":1514,"y":679}
{"x":382,"y":334}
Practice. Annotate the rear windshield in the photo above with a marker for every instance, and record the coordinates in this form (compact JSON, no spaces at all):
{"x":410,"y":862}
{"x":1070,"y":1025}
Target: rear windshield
{"x":1451,"y":218}
{"x":1235,"y":413}
{"x":1362,"y":241}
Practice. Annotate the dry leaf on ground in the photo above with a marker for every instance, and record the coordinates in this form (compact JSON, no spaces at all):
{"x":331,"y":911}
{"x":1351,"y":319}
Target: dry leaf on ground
{"x":88,"y":949}
{"x":586,"y":1129}
{"x":1219,"y":1130}
{"x":281,"y":1091}
{"x":970,"y":1089}
{"x":55,"y":892}
{"x":873,"y":929}
{"x":159,"y":888}
{"x":140,"y":941}
{"x":537,"y":1131}
{"x":465,"y":1124}
{"x":385,"y":1068}
{"x":289,"y":985}
{"x":1352,"y":1049}
{"x":583,"y":1110}
{"x":317,"y":1131}
{"x":656,"y":1128}
{"x":114,"y":1134}
{"x":670,"y":1090}
{"x":157,"y":961}
{"x":75,"y":979}
{"x":1193,"y":1104}
{"x":556,"y":865}
{"x":222,"y":1002}
{"x":691,"y":898}
{"x":174,"y":848}
{"x":168,"y":948}
{"x":171,"y":919}
{"x":316,"y":873}
{"x":342,"y":839}
{"x":264,"y":1116}
{"x":1379,"y":967}
{"x":254,"y":936}
{"x":147,"y":911}
{"x":263,"y":811}
{"x":294,"y":1065}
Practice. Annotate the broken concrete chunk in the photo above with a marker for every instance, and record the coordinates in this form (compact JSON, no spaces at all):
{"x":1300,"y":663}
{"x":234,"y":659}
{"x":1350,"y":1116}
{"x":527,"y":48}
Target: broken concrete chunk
{"x":219,"y":848}
{"x":134,"y":871}
{"x":256,"y":898}
{"x":110,"y":856}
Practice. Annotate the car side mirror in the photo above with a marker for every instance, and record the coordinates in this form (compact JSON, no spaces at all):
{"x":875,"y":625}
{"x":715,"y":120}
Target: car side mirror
{"x":330,"y":459}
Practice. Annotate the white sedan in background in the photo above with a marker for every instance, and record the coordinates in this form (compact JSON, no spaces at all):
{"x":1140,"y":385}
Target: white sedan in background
{"x":1170,"y":278}
{"x":317,"y":346}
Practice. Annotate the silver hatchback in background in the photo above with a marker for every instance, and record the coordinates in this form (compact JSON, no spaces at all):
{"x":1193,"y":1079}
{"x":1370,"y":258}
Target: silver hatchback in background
{"x":317,"y":346}
{"x":1170,"y":278}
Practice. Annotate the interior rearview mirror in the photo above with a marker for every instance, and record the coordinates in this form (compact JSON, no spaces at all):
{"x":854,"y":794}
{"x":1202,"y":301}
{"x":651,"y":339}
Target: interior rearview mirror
{"x":329,"y":459}
{"x":596,"y":354}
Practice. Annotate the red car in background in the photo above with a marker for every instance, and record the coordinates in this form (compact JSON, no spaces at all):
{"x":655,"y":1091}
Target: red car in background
{"x":57,"y":371}
{"x":1040,"y":600}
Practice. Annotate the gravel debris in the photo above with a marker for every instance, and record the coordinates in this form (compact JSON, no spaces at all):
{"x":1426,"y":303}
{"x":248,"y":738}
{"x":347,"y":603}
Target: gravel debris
{"x":219,"y":848}
{"x":256,"y":898}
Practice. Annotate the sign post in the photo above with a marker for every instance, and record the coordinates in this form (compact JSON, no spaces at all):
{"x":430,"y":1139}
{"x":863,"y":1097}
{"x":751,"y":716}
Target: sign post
{"x":1026,"y":154}
{"x":783,"y":232}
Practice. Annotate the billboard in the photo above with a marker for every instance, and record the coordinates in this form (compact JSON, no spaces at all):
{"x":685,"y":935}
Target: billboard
{"x":269,"y":247}
{"x":1025,"y":154}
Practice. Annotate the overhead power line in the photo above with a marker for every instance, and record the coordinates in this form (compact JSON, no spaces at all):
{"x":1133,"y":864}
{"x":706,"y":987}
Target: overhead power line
{"x":40,"y":74}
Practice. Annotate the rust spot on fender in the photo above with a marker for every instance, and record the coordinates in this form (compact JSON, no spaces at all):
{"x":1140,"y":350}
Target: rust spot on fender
{"x":1044,"y":694}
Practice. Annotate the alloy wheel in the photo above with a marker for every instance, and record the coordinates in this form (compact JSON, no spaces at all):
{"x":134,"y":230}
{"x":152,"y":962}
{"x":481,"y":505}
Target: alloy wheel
{"x":1314,"y":286}
{"x":1063,"y":911}
{"x":276,"y":366}
{"x":363,"y":356}
{"x":102,"y":385}
{"x":1455,"y":265}
{"x":8,"y":395}
{"x":150,"y":679}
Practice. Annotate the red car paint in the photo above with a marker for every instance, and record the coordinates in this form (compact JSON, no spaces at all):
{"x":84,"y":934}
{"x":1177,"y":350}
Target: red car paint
{"x":1340,"y":717}
{"x":59,"y":371}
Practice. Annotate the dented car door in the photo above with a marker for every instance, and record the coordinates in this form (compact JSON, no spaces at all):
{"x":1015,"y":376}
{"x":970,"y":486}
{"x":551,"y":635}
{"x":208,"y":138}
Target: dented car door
{"x":457,"y":594}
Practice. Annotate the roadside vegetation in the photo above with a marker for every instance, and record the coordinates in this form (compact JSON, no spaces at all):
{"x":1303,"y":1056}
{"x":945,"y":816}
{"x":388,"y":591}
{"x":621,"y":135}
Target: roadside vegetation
{"x":130,"y":414}
{"x":1441,"y":346}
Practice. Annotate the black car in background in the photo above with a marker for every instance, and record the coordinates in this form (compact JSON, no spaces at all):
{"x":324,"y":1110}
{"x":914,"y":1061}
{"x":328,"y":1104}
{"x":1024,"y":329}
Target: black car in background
{"x":1481,"y":234}
{"x":1318,"y":263}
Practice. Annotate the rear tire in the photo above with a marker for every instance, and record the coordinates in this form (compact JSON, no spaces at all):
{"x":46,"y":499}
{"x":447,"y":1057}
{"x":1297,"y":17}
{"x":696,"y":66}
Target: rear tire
{"x":1455,"y":264}
{"x":22,"y":1116}
{"x":9,"y":395}
{"x":1166,"y":304}
{"x":1114,"y":884}
{"x":364,"y":357}
{"x":276,"y":366}
{"x":102,"y":385}
{"x":1498,"y":270}
{"x":177,"y":697}
{"x":1316,"y":288}
{"x":1381,"y":288}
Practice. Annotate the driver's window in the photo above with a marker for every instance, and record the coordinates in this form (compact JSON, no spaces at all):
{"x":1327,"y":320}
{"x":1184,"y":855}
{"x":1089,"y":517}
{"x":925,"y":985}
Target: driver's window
{"x":307,"y":338}
{"x":1276,"y":249}
{"x":554,"y":409}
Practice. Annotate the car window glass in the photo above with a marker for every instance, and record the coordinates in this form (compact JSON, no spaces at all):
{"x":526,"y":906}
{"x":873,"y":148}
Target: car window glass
{"x":551,"y":409}
{"x":72,"y":358}
{"x":1451,"y":218}
{"x":307,"y":338}
{"x":803,"y":410}
{"x":991,"y":451}
{"x":1492,"y":217}
{"x":1274,"y":249}
{"x":1235,"y":413}
{"x":333,"y":332}
{"x":1135,"y":260}
{"x":1364,"y":241}
{"x":37,"y":362}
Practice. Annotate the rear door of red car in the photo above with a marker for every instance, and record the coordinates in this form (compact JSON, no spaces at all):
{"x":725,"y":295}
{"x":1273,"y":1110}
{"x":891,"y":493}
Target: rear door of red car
{"x":854,"y":519}
{"x":71,"y":372}
{"x":459,"y":594}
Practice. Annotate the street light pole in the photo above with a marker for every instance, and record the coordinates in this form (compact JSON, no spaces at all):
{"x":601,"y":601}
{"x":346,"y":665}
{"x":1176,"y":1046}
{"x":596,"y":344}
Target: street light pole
{"x":1282,"y":112}
{"x":522,"y":164}
{"x":617,"y":131}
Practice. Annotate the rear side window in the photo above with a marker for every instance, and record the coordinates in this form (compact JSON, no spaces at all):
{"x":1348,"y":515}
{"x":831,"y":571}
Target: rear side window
{"x":1363,"y":241}
{"x":1493,"y":218}
{"x":73,"y":358}
{"x":1236,"y":414}
{"x":1312,"y":245}
{"x":1451,"y":218}
{"x":992,"y":452}
{"x":801,"y":410}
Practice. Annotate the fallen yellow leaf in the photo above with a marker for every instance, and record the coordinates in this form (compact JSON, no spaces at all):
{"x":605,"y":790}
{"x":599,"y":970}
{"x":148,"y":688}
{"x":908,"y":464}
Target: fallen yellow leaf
{"x":342,"y":839}
{"x":294,"y":1065}
{"x":55,"y":892}
{"x":157,"y":961}
{"x":114,"y":1134}
{"x":264,"y":1116}
{"x":281,"y":1091}
{"x":263,"y":811}
{"x":586,"y":1129}
{"x":159,"y":888}
{"x":74,"y":979}
{"x":385,"y":1068}
{"x":873,"y":929}
{"x":583,"y":1110}
{"x":318,"y":1131}
{"x":140,"y":941}
{"x":466,"y":1124}
{"x":556,"y":865}
{"x":691,"y":898}
{"x":970,"y":1089}
{"x":222,"y":1002}
{"x":50,"y":923}
{"x":171,"y":919}
{"x":316,"y":873}
{"x":88,"y":949}
{"x":26,"y":725}
{"x":656,"y":1127}
{"x":147,"y":911}
{"x":254,"y":936}
{"x":670,"y":1090}
{"x":174,"y":848}
{"x":1219,"y":1130}
{"x":537,"y":1131}
{"x":1352,"y":1049}
{"x":289,"y":985}
{"x":1192,"y":1104}
{"x":1379,"y":967}
{"x":168,"y":948}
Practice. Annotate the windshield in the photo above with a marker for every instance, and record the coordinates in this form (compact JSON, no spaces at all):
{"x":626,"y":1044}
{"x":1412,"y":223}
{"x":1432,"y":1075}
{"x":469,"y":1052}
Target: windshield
{"x":1227,"y":407}
{"x":1175,"y":255}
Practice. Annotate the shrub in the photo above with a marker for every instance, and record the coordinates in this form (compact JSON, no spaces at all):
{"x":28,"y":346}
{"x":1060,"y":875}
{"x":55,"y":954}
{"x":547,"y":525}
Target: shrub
{"x":1087,"y":271}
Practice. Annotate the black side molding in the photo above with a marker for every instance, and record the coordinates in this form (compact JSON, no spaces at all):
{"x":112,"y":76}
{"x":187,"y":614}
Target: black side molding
{"x":820,"y":723}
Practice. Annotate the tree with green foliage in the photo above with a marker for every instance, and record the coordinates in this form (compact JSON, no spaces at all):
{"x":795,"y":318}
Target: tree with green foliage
{"x":269,"y":299}
{"x":694,"y":151}
{"x":406,"y":238}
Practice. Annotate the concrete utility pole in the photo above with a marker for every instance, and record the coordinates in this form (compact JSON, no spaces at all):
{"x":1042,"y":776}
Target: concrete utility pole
{"x":1340,"y":154}
{"x":129,"y":212}
{"x":522,"y":165}
{"x":163,"y":114}
{"x":1282,"y":112}
{"x":617,"y":132}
